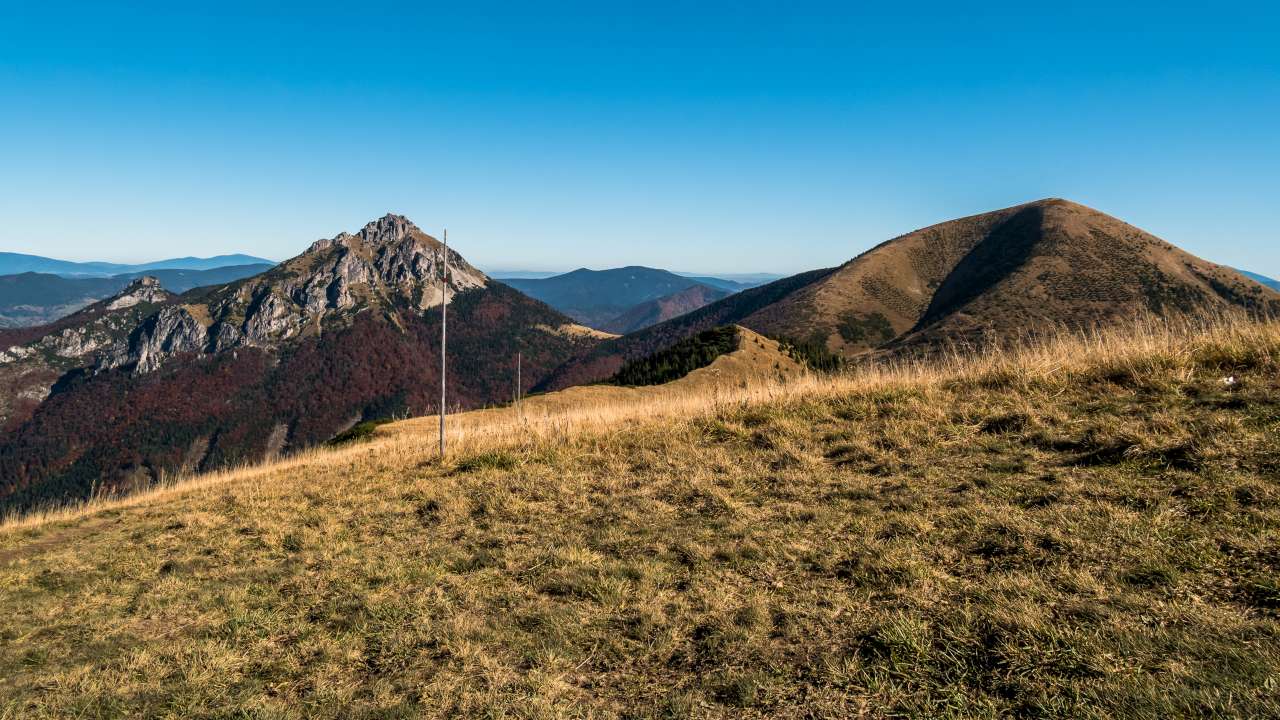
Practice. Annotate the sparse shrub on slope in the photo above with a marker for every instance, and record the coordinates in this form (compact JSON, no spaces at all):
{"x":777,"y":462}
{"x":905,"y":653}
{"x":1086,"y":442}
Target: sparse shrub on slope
{"x":356,"y":433}
{"x":680,"y":359}
{"x":871,"y":328}
{"x":813,"y":354}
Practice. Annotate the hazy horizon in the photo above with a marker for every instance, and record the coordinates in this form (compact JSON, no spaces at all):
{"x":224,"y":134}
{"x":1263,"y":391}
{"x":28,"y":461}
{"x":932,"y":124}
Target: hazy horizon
{"x":723,"y":139}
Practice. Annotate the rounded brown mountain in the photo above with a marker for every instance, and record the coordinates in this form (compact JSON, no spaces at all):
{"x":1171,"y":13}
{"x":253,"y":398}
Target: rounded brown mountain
{"x":1042,"y":265}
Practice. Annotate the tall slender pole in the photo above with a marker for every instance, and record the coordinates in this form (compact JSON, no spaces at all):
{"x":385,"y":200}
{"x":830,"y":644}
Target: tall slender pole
{"x":519,"y":387}
{"x":444,"y":335}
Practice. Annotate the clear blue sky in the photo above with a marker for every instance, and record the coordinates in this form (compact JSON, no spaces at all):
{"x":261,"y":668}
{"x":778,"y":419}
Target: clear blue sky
{"x":730,"y":137}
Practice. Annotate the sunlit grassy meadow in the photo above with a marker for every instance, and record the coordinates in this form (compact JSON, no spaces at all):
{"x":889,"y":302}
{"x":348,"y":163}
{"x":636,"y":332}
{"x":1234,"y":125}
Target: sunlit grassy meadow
{"x":1085,"y":527}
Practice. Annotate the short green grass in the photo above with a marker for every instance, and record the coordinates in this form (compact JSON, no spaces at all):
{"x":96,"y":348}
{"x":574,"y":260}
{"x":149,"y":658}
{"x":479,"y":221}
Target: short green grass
{"x":1100,"y":542}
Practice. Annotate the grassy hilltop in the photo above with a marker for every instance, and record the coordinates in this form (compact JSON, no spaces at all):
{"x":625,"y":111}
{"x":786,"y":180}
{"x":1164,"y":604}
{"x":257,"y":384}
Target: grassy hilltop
{"x":1084,"y":528}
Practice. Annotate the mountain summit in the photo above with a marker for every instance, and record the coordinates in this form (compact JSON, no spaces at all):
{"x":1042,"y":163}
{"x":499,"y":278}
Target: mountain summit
{"x":346,"y":331}
{"x":998,"y":275}
{"x":388,"y":264}
{"x":388,"y":255}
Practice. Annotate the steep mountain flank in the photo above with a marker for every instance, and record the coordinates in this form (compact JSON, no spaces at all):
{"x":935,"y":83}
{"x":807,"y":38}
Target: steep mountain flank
{"x":1055,"y":262}
{"x":664,"y":308}
{"x":996,"y":275}
{"x":349,"y":330}
{"x":34,"y":359}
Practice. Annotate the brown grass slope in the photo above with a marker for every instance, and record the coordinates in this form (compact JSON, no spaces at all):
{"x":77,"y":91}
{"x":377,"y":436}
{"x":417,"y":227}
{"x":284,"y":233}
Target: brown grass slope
{"x":757,"y":362}
{"x":1000,"y":274}
{"x":1084,"y":528}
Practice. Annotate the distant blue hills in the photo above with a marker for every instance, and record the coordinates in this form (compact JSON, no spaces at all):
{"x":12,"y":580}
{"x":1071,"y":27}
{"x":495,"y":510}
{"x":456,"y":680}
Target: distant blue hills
{"x":14,"y":263}
{"x":32,"y":298}
{"x":598,"y":298}
{"x":1273,"y":284}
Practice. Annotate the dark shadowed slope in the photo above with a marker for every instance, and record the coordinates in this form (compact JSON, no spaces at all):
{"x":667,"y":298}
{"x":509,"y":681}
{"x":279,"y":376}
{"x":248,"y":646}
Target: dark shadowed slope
{"x":664,"y":308}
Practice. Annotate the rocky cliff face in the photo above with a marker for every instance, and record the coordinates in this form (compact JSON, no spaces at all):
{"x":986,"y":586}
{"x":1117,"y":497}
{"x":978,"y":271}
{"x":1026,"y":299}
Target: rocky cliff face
{"x":103,"y":327}
{"x":86,"y":339}
{"x":389,"y":263}
{"x":171,"y":331}
{"x":143,"y":290}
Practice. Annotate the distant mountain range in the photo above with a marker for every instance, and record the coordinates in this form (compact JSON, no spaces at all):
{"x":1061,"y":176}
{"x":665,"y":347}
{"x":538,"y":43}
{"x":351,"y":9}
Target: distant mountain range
{"x":599,"y":298}
{"x":735,"y":280}
{"x":743,"y":280}
{"x":652,"y":312}
{"x":32,"y":298}
{"x":994,"y":276}
{"x":1273,"y":284}
{"x":14,"y":263}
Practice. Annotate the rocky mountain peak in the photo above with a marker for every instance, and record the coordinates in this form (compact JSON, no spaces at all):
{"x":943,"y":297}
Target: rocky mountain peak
{"x":388,"y":257}
{"x":389,"y":263}
{"x":387,"y":231}
{"x":145,"y":289}
{"x":391,"y":229}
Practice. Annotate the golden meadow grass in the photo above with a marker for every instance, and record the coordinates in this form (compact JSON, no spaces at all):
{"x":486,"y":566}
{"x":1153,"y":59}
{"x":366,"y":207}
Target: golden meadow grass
{"x":1082,"y":526}
{"x":1145,"y":343}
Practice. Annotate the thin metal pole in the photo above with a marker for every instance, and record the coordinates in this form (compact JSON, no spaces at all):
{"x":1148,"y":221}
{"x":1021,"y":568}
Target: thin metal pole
{"x":519,"y":387}
{"x":444,"y":335}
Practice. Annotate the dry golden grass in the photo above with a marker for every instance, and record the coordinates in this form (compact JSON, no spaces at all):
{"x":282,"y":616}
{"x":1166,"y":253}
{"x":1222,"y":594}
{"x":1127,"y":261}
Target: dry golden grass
{"x":1084,"y":527}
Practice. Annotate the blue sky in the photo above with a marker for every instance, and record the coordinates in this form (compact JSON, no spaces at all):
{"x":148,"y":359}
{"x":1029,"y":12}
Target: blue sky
{"x":734,"y":137}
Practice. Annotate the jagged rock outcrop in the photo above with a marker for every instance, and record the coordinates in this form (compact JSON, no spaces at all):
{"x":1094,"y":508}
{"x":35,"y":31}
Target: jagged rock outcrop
{"x":171,"y":331}
{"x":145,"y":289}
{"x":101,"y":329}
{"x":96,"y":337}
{"x":390,"y":262}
